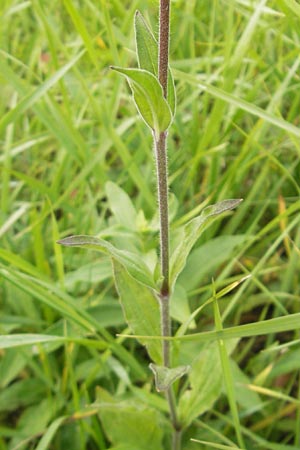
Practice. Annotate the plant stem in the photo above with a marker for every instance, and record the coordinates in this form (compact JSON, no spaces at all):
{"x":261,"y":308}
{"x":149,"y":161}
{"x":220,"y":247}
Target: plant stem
{"x":163,"y":44}
{"x":160,"y":142}
{"x":162,"y":181}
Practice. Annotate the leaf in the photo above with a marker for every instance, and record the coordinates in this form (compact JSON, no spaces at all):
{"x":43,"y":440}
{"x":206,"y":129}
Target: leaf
{"x":179,"y":305}
{"x":250,"y":108}
{"x":207,"y":258}
{"x":148,"y":97}
{"x":22,"y":394}
{"x":147,"y":53}
{"x":121,"y":205}
{"x":135,"y":266}
{"x":129,"y":424}
{"x":34,"y":419}
{"x":281,"y":324}
{"x":165,"y":376}
{"x":50,"y":433}
{"x":30,"y":99}
{"x":52,"y":296}
{"x":140,"y":307}
{"x":146,"y":45}
{"x":191,"y":232}
{"x":17,"y":340}
{"x":247,"y":399}
{"x":12,"y":363}
{"x":293,"y":5}
{"x":214,"y":445}
{"x":205,"y":379}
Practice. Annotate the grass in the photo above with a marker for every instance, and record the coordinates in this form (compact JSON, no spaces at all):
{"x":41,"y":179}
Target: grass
{"x":67,"y":127}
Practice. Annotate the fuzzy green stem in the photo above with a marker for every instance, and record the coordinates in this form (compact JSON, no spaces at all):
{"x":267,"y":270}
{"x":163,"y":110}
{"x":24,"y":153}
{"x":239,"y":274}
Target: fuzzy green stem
{"x":162,"y":184}
{"x":163,"y":43}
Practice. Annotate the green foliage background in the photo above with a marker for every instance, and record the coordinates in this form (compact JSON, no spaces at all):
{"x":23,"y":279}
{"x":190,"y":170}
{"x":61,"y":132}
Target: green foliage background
{"x":68,"y":127}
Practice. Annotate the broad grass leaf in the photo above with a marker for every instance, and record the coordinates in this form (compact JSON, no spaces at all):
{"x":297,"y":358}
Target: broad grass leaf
{"x":147,"y":53}
{"x":129,"y":424}
{"x":191,"y":232}
{"x":135,"y":266}
{"x":165,"y":376}
{"x":121,"y":205}
{"x":140,"y":307}
{"x":149,"y":99}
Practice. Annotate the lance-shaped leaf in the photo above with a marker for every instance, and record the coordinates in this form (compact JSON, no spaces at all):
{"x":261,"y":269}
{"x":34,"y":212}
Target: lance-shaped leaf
{"x":165,"y":377}
{"x":141,"y":309}
{"x":147,"y":53}
{"x":149,"y":99}
{"x":191,"y":232}
{"x":133,"y":263}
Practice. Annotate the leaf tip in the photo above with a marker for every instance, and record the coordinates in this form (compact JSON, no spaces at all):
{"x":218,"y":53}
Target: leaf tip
{"x":64,"y":241}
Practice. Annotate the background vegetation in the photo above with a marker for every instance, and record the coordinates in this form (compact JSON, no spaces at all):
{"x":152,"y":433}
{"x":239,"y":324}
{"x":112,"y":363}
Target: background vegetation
{"x":67,"y":128}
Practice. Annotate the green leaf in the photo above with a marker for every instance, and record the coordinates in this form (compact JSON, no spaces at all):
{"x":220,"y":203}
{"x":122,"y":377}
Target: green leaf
{"x":281,"y":324}
{"x":147,"y":53}
{"x":191,"y":232}
{"x":293,"y":5}
{"x":214,"y":445}
{"x":129,"y":423}
{"x":149,"y":99}
{"x":17,"y":340}
{"x":121,"y":205}
{"x":22,"y":394}
{"x":207,"y":258}
{"x":50,"y":433}
{"x":30,"y":99}
{"x":135,"y":266}
{"x":165,"y":377}
{"x":179,"y":305}
{"x":146,"y":45}
{"x":247,"y":399}
{"x":205,"y":382}
{"x":140,"y":307}
{"x":205,"y":379}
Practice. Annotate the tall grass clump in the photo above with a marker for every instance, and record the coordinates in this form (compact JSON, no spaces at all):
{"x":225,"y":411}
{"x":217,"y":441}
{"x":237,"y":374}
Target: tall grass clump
{"x":180,"y":330}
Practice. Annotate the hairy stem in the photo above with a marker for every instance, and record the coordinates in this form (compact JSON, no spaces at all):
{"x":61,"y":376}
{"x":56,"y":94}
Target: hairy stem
{"x":162,"y":184}
{"x":163,"y":43}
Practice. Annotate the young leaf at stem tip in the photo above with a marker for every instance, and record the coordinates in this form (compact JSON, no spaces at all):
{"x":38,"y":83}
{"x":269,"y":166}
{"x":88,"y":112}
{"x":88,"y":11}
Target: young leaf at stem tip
{"x":147,"y":54}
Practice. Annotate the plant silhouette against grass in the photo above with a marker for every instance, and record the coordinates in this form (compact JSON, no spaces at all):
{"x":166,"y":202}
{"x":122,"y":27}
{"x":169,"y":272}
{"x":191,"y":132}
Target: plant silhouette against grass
{"x":153,"y":92}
